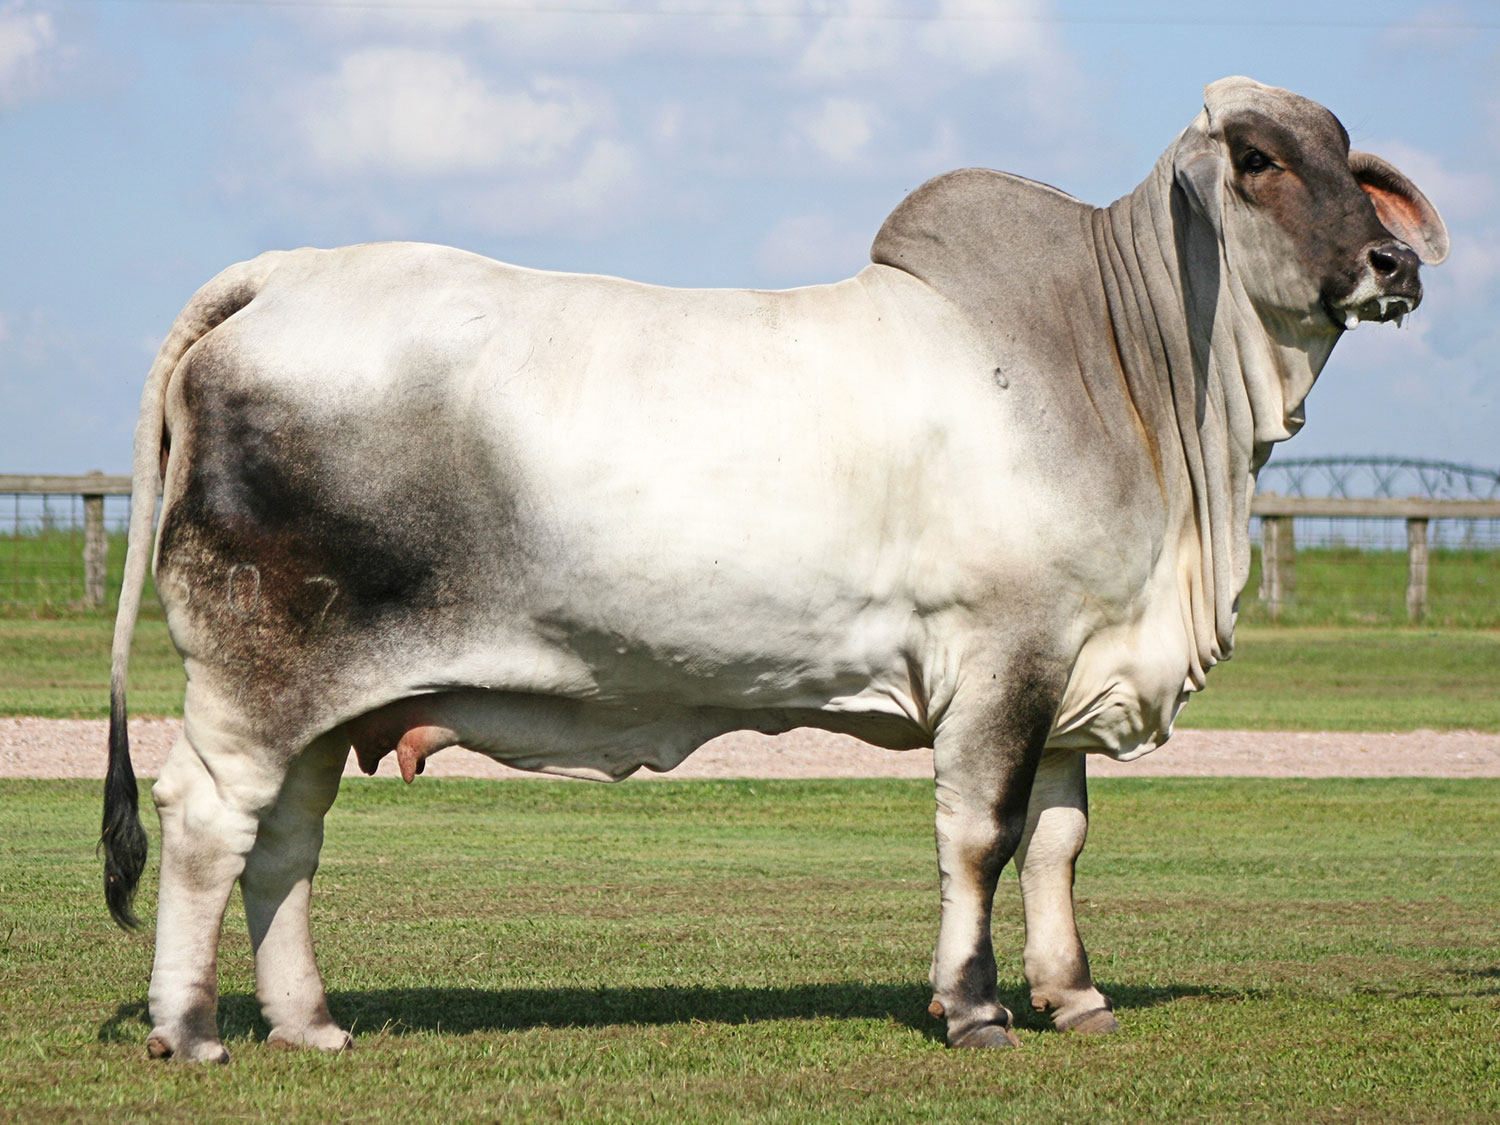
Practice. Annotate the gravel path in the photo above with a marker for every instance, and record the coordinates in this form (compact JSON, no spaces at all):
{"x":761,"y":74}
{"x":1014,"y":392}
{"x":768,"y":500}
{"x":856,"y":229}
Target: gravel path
{"x":76,"y":748}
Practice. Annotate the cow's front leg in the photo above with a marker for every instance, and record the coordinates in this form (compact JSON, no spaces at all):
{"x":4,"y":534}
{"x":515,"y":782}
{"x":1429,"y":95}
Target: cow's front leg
{"x":208,"y":826}
{"x":985,"y":758}
{"x":1057,"y":968}
{"x":277,"y":887}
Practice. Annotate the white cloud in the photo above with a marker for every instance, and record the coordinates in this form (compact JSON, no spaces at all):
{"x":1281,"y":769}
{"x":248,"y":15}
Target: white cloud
{"x":998,"y":66}
{"x":39,"y":337}
{"x":667,"y":123}
{"x":452,"y":130}
{"x":830,"y":40}
{"x":600,"y":188}
{"x":425,"y":114}
{"x":861,"y":38}
{"x":600,"y":192}
{"x":26,"y":39}
{"x":565,"y":31}
{"x":1439,"y":28}
{"x":983,"y":35}
{"x":387,"y":141}
{"x":838,"y":128}
{"x":941,"y":151}
{"x":805,"y":249}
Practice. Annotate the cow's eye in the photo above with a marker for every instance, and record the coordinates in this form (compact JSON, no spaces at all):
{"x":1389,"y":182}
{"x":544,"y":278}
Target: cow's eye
{"x":1254,"y":161}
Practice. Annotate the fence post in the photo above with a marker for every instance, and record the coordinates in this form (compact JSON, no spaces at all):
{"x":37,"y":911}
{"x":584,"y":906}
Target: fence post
{"x":95,"y":548}
{"x":1416,"y":569}
{"x":1278,"y":564}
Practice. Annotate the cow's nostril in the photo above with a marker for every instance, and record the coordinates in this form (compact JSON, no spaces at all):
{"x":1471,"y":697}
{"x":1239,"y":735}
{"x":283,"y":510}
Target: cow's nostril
{"x":1393,"y":263}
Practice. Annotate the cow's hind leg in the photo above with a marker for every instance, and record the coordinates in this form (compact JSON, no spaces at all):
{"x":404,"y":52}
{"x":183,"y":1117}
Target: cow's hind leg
{"x":277,"y":887}
{"x":986,"y":755}
{"x":1057,"y":968}
{"x":209,"y":822}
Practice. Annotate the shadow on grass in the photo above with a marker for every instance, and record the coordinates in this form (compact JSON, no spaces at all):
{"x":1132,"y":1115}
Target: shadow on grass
{"x":1476,"y":983}
{"x":462,"y":1011}
{"x":1126,"y":998}
{"x":1491,"y":973}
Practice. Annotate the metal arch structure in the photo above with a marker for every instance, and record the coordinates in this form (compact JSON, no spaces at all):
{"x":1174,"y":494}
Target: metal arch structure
{"x":1378,"y":477}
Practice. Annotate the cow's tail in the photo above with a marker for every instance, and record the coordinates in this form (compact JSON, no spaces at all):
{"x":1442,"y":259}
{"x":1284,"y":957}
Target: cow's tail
{"x":122,"y":841}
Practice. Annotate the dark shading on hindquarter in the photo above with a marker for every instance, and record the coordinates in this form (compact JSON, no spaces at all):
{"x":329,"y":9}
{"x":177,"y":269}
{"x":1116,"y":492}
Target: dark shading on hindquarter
{"x":299,"y":540}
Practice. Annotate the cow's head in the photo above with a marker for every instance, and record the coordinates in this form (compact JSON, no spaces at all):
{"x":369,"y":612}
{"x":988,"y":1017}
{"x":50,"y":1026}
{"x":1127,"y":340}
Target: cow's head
{"x":1318,"y":235}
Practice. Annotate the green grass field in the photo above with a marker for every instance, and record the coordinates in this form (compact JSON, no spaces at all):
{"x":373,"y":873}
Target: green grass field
{"x":757,"y":951}
{"x":42,"y":573}
{"x":1347,"y":586}
{"x":1353,"y":679}
{"x":1279,"y":679}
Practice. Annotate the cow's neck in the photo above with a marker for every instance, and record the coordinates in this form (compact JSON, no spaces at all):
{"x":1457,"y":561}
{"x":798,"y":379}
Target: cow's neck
{"x":1228,"y":380}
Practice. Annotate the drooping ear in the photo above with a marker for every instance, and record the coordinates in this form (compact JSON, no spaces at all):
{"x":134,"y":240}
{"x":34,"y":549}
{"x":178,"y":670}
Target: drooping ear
{"x":1403,"y":210}
{"x":1198,"y":167}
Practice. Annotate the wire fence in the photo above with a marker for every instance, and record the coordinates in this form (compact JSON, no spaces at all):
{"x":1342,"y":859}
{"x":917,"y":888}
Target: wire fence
{"x":1413,"y":541}
{"x":1356,"y":571}
{"x":62,"y":547}
{"x":62,"y":543}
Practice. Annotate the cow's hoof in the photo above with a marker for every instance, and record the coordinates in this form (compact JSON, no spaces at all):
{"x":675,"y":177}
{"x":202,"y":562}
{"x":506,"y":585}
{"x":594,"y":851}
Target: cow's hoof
{"x":159,"y":1046}
{"x":1100,"y":1021}
{"x":986,"y":1035}
{"x":1095,"y":1022}
{"x":328,"y":1037}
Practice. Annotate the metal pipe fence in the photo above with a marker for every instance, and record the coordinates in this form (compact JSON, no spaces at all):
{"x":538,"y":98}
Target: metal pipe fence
{"x":1317,"y":560}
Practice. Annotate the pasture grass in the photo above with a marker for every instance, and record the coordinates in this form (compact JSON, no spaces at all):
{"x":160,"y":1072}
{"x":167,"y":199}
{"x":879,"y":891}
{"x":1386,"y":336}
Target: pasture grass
{"x":1279,"y":679}
{"x":58,"y":667}
{"x":41,"y":571}
{"x":1353,"y":679}
{"x":1348,"y":586}
{"x":757,"y":951}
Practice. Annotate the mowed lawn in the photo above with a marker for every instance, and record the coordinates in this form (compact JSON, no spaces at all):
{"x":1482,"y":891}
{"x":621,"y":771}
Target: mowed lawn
{"x":1311,"y":678}
{"x":757,"y":951}
{"x":1354,"y":679}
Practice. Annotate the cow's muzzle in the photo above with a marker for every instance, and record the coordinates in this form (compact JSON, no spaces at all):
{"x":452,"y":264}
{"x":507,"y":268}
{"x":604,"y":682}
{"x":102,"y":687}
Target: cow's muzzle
{"x":1389,"y":287}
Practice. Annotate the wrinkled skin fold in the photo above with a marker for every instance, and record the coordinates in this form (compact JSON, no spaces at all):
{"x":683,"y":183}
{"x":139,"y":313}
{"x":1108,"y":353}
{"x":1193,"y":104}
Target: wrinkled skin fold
{"x":990,"y":495}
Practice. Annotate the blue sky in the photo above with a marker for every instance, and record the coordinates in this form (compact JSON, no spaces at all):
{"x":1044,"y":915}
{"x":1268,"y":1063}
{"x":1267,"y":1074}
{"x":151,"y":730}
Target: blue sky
{"x":688,"y":142}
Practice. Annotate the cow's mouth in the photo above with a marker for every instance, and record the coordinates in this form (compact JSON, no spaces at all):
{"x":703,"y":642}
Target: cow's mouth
{"x":1379,"y":309}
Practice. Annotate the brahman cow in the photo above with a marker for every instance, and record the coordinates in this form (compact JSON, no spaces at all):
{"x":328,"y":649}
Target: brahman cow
{"x":990,"y":496}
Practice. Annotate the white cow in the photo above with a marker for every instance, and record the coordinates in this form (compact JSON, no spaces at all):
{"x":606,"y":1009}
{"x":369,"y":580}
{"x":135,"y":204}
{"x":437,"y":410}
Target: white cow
{"x":990,"y":495}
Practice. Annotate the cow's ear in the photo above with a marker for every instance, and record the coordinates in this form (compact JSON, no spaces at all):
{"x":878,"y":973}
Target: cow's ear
{"x":1198,"y":167}
{"x":1403,"y":210}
